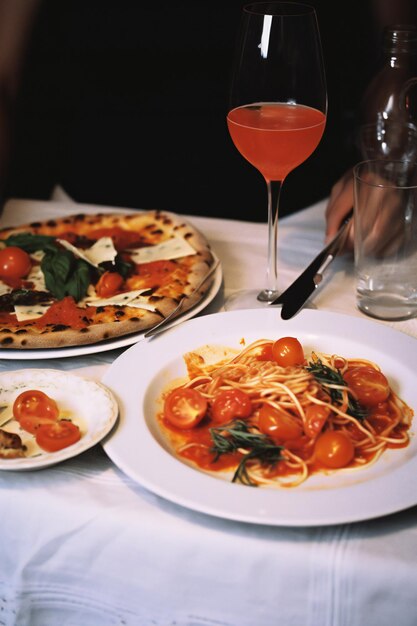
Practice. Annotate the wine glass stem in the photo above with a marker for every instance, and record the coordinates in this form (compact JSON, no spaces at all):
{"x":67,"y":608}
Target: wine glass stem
{"x":271,"y":290}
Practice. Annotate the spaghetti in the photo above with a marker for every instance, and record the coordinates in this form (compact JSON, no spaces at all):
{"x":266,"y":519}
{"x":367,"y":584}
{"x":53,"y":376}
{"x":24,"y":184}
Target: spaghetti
{"x":274,"y":417}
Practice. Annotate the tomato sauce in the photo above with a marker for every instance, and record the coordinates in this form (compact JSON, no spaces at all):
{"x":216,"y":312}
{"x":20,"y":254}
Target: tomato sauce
{"x":200,"y":454}
{"x":65,"y":312}
{"x":122,"y":239}
{"x":154,"y":274}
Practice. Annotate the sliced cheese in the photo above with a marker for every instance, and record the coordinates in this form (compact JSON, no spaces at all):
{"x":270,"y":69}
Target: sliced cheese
{"x":37,"y":277}
{"x":173,"y":248}
{"x":102,"y":250}
{"x":142,"y":303}
{"x":4,"y":288}
{"x":128,"y":298}
{"x":30,"y":311}
{"x":37,"y":255}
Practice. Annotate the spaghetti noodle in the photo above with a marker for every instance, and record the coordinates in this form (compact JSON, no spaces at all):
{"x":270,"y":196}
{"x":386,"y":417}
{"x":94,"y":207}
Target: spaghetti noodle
{"x":274,"y":418}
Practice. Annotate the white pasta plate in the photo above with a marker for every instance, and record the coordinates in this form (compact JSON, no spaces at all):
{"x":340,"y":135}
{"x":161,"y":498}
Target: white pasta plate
{"x":138,"y":447}
{"x":89,"y":404}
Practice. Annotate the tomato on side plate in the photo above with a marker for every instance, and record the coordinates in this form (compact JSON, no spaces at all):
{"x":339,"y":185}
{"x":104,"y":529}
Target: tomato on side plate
{"x":185,"y":407}
{"x":231,"y":404}
{"x":278,"y":425}
{"x":31,"y":423}
{"x":288,"y":352}
{"x":57,"y":435}
{"x":35,"y":403}
{"x":369,"y":386}
{"x":109,"y":284}
{"x":334,"y":449}
{"x":14,"y":262}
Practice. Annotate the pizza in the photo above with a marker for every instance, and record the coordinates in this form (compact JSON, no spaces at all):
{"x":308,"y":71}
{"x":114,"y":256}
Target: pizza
{"x":83,"y":278}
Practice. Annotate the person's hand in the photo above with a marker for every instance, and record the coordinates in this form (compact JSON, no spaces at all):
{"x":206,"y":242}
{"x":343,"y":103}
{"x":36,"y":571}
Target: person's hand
{"x":339,"y":205}
{"x":382,"y":230}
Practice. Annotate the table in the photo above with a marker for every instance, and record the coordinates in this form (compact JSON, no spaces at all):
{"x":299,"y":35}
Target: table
{"x":84,"y":545}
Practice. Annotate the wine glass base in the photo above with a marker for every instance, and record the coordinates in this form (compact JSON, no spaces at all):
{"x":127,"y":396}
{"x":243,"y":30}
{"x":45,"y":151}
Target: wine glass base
{"x":246,"y":300}
{"x":249,"y":300}
{"x":267,"y":295}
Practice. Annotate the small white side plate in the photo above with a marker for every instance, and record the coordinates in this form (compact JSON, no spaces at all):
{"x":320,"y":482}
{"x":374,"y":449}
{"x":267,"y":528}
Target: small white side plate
{"x":89,"y":404}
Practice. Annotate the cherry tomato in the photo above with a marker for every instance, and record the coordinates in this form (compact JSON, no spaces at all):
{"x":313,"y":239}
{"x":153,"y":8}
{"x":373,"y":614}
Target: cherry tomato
{"x":266,"y":353}
{"x":277,"y":425}
{"x":34,"y":403}
{"x":14,"y":262}
{"x":288,"y":351}
{"x":378,"y":415}
{"x":231,"y":404}
{"x":316,"y":416}
{"x":109,"y":284}
{"x":31,"y":423}
{"x":334,"y":449}
{"x":57,"y":435}
{"x":185,"y":408}
{"x":369,"y":386}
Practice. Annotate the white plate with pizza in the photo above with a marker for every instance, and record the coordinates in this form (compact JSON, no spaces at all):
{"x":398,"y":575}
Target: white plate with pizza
{"x":141,"y":448}
{"x":48,"y":416}
{"x":86,"y":283}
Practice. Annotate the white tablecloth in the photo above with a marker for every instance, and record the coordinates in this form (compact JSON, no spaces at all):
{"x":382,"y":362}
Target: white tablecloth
{"x":84,"y":545}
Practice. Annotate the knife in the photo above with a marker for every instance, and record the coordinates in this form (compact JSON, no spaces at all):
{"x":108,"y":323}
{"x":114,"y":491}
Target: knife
{"x":293,"y":298}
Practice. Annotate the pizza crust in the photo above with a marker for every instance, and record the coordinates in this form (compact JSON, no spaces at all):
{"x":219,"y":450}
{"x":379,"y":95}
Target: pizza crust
{"x":111,"y":321}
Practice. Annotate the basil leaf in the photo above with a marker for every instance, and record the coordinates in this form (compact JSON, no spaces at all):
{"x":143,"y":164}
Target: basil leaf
{"x":65,"y":275}
{"x":56,"y":267}
{"x":30,"y":242}
{"x":124,"y":268}
{"x":77,"y":284}
{"x":22,"y":296}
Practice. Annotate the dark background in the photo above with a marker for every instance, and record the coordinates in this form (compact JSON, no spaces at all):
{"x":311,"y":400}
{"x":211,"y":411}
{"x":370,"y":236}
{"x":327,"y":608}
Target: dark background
{"x":124,"y":103}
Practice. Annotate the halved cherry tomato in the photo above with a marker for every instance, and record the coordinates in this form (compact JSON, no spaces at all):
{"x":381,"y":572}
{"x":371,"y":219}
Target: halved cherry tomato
{"x":316,"y":416}
{"x":185,"y":407}
{"x":109,"y":284}
{"x":14,"y":262}
{"x":288,"y":351}
{"x":265,"y":353}
{"x":369,"y":386}
{"x":35,"y":403}
{"x":57,"y":435}
{"x":334,"y":449}
{"x":231,"y":404}
{"x":278,"y":425}
{"x":31,"y":423}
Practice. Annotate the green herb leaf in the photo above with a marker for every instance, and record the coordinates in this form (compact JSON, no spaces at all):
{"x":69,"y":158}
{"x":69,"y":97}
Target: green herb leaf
{"x":124,"y":268}
{"x":79,"y":281}
{"x":65,"y":275}
{"x":30,"y":242}
{"x":235,"y":435}
{"x":326,"y":376}
{"x":22,"y":296}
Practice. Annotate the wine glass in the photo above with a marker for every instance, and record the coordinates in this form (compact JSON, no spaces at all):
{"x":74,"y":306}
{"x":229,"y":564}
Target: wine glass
{"x":278,"y":107}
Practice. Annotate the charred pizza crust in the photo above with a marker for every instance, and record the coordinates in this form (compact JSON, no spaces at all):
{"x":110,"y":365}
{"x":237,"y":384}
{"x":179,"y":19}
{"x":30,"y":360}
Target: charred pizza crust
{"x":110,"y":321}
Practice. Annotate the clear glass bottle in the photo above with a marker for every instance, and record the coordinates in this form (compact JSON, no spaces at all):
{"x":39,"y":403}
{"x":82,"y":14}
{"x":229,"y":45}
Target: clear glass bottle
{"x":392,"y":93}
{"x":388,"y":113}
